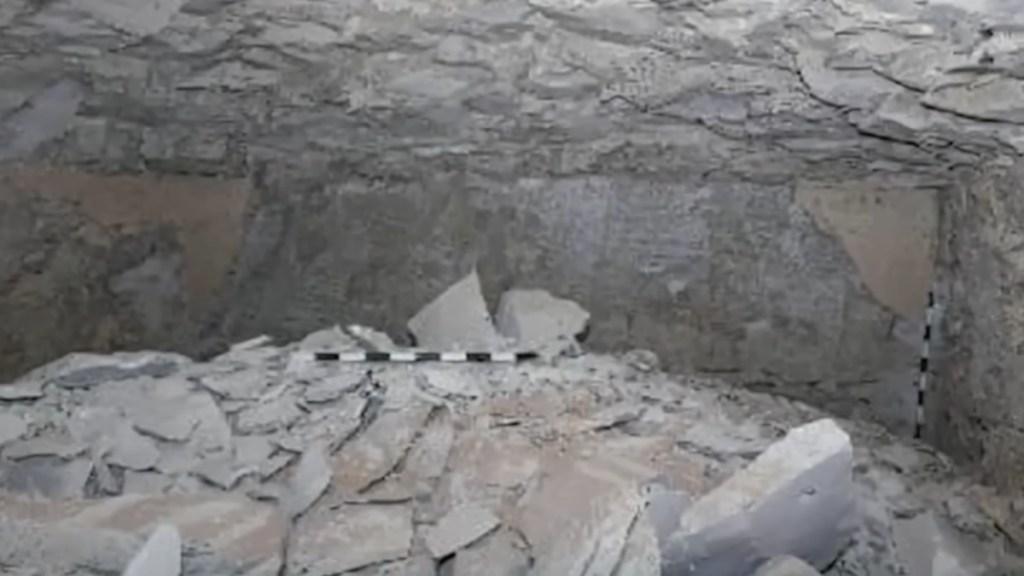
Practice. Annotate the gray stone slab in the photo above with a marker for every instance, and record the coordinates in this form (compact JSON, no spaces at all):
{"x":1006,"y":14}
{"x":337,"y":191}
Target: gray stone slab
{"x":331,"y":542}
{"x":311,"y":478}
{"x":12,"y":427}
{"x":457,"y":319}
{"x":46,"y":477}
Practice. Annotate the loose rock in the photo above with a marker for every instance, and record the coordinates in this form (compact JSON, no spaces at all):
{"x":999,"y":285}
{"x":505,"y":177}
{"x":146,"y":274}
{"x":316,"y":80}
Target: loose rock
{"x":537,"y":320}
{"x":312,"y":477}
{"x":12,"y":427}
{"x":804,"y":482}
{"x":460,"y":528}
{"x":456,"y":320}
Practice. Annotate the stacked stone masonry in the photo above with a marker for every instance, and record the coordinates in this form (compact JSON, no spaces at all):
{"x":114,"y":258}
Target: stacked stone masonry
{"x":746,"y":187}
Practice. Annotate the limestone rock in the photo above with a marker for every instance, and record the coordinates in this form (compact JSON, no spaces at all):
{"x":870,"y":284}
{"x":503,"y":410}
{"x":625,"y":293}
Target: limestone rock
{"x":46,"y":477}
{"x":159,"y":556}
{"x":535,"y":319}
{"x":311,"y":478}
{"x":803,"y":482}
{"x":457,"y":319}
{"x":336,"y":541}
{"x":27,"y":390}
{"x":460,"y":528}
{"x":498,"y":554}
{"x":375,"y":452}
{"x":786,"y":566}
{"x":12,"y":427}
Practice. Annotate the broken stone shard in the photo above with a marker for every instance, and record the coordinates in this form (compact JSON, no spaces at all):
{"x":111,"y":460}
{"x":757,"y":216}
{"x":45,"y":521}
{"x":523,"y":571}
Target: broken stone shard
{"x":786,"y":566}
{"x":159,"y":556}
{"x":27,"y":390}
{"x":458,"y":319}
{"x":12,"y":427}
{"x":80,"y":370}
{"x":536,"y":320}
{"x":61,"y":448}
{"x":459,"y":528}
{"x":312,"y":477}
{"x":803,"y":482}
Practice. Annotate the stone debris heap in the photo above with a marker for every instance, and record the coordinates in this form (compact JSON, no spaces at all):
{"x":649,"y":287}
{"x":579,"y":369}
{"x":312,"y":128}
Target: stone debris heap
{"x":262,"y":461}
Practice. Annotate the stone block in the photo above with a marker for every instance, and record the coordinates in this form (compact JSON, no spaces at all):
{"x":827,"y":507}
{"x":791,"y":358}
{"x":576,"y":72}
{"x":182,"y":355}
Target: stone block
{"x":458,"y":319}
{"x":536,"y":319}
{"x":796,"y":498}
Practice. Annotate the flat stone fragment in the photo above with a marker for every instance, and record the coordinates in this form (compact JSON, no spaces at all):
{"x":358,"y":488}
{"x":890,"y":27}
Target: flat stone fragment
{"x":28,"y":390}
{"x":786,"y":566}
{"x":131,"y":450}
{"x":336,"y":541}
{"x":311,"y":478}
{"x":21,"y":449}
{"x":535,"y":318}
{"x":495,"y":555}
{"x":220,"y":471}
{"x":268,"y":417}
{"x":173,"y":423}
{"x":459,"y":528}
{"x":803,"y":482}
{"x":244,"y":384}
{"x":159,"y":556}
{"x":81,"y":370}
{"x":46,"y":477}
{"x":12,"y":427}
{"x":331,"y":388}
{"x":458,"y":319}
{"x":374,"y":453}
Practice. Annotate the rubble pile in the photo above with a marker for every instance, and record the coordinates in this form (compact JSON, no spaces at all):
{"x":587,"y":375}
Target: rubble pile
{"x":263,"y":461}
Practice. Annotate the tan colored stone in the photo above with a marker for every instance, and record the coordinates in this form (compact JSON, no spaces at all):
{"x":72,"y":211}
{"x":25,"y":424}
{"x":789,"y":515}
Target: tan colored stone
{"x":376,"y":451}
{"x":332,"y":541}
{"x":238,"y":529}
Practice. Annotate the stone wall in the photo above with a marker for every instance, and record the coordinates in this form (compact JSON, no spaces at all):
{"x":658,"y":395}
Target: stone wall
{"x":978,"y":404}
{"x":746,"y":187}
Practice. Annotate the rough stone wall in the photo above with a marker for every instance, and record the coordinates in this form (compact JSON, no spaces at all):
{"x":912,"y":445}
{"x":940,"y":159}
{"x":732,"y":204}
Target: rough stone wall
{"x":978,"y":404}
{"x":743,"y":186}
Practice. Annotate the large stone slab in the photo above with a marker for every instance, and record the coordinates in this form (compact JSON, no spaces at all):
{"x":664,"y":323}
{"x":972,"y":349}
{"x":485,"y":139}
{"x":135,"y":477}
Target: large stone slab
{"x":244,"y":533}
{"x":796,"y":498}
{"x":458,"y":319}
{"x":335,"y":541}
